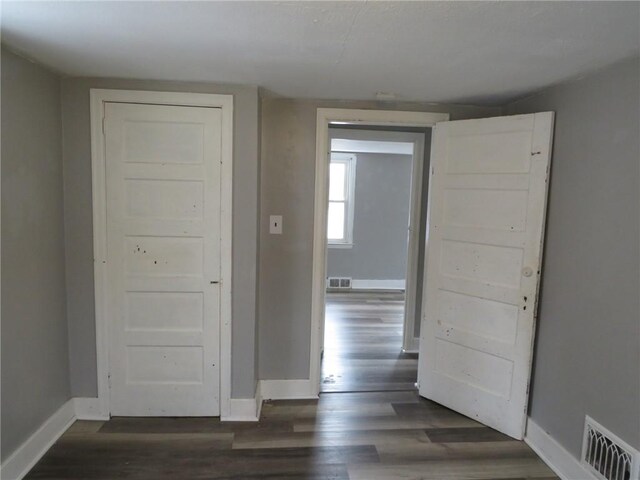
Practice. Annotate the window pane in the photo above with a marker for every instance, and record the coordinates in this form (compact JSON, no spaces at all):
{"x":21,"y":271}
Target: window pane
{"x":337,"y":173}
{"x":335,"y":221}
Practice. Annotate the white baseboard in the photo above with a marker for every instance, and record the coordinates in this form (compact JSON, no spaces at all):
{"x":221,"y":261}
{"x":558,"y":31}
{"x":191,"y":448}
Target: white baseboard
{"x":27,"y":455}
{"x":89,"y":409}
{"x":565,"y":465}
{"x":287,"y":389}
{"x":360,"y":284}
{"x":413,"y":346}
{"x":245,"y":409}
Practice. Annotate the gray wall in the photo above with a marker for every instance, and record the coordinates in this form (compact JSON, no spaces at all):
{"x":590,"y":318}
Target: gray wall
{"x":287,"y":188}
{"x":381,"y":217}
{"x":78,"y":224}
{"x":587,"y":355}
{"x":35,"y":362}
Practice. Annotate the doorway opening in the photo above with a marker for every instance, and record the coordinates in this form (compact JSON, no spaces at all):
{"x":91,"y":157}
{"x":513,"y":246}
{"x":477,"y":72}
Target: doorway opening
{"x":488,"y":183}
{"x":370,"y":172}
{"x":377,"y":199}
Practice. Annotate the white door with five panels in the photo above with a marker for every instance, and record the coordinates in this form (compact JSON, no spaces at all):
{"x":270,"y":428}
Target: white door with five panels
{"x":163,"y":250}
{"x":488,"y":193}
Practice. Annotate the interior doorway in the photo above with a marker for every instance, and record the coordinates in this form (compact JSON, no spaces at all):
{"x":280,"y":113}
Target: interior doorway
{"x":379,"y":120}
{"x":488,"y":183}
{"x":375,"y":233}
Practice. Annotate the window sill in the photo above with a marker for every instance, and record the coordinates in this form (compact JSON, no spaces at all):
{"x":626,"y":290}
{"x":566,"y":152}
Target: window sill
{"x":340,"y":245}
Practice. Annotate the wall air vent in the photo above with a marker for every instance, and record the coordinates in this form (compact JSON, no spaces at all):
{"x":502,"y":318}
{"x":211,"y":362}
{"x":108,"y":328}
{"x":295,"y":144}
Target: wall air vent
{"x":338,"y":283}
{"x":607,"y":456}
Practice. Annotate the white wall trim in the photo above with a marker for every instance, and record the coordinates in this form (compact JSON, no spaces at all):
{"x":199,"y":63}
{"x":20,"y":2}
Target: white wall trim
{"x":225,"y":103}
{"x":324,"y":117}
{"x":245,"y":409}
{"x":87,"y":408}
{"x":27,"y":455}
{"x":565,"y":465}
{"x":389,"y":284}
{"x":412,"y":345}
{"x":416,"y":210}
{"x":288,"y":389}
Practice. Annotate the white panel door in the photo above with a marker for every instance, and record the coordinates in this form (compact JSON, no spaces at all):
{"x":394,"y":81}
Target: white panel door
{"x":487,"y":208}
{"x":163,"y":259}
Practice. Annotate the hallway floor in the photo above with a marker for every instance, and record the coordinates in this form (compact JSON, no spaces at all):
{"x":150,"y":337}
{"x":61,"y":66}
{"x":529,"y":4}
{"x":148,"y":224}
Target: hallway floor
{"x":363,"y":344}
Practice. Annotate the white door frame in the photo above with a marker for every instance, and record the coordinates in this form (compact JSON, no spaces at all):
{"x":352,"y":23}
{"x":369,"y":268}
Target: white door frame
{"x":98,"y":172}
{"x":409,"y":341}
{"x":325,"y":116}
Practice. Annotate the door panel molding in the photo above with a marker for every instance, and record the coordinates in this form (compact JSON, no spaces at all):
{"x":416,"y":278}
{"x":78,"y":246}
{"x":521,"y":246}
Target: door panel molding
{"x":98,"y":99}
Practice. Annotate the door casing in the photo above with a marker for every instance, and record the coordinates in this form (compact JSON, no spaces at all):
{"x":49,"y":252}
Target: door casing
{"x":98,"y":98}
{"x":325,"y":116}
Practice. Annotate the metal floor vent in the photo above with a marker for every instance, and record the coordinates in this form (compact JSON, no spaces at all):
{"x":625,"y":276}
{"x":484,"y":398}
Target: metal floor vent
{"x":339,"y":282}
{"x":606,"y":455}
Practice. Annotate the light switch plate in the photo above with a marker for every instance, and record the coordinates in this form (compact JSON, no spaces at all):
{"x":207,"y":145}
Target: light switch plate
{"x":275,"y":224}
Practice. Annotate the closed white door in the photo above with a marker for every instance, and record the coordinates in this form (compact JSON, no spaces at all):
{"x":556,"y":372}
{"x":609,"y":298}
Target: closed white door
{"x":163,"y":259}
{"x":487,"y":208}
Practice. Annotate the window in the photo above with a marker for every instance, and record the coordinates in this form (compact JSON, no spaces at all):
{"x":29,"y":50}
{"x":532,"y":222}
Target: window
{"x":342,"y":176}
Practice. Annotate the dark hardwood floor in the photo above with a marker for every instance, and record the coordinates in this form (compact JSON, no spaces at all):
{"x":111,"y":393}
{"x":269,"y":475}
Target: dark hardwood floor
{"x":364,"y":435}
{"x":357,"y":436}
{"x":363,"y":344}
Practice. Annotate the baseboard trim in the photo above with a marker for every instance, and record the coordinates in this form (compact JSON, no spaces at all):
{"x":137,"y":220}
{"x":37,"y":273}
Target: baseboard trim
{"x":88,"y":408}
{"x":245,"y":409}
{"x":412,"y":346}
{"x":287,"y":389}
{"x":565,"y":465}
{"x":27,"y":455}
{"x":360,"y":284}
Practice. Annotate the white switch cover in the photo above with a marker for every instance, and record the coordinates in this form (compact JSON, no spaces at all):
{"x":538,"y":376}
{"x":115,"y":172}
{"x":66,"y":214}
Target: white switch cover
{"x":275,"y":224}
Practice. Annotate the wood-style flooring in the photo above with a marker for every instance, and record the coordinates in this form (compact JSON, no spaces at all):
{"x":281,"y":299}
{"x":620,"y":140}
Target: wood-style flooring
{"x":357,"y":436}
{"x":363,"y":344}
{"x":362,"y":435}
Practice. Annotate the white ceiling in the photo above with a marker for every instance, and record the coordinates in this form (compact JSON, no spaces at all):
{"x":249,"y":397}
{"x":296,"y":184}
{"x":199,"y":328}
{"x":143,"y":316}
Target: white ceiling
{"x":476,"y":52}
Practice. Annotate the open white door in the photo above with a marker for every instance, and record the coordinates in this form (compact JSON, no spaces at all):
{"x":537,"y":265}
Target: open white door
{"x":487,"y":206}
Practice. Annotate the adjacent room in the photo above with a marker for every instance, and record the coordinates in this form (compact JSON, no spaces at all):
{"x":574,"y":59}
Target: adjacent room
{"x":320,"y":240}
{"x":372,"y":198}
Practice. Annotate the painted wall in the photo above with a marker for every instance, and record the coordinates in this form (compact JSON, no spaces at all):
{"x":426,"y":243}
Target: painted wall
{"x":587,"y":357}
{"x":288,"y":144}
{"x":35,"y":361}
{"x":79,"y":233}
{"x":381,"y":217}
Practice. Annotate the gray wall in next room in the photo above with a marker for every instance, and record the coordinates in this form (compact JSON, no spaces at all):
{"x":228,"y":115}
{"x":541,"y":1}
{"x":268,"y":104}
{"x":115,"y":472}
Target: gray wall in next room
{"x":381,"y":217}
{"x":35,"y":358}
{"x":587,"y":358}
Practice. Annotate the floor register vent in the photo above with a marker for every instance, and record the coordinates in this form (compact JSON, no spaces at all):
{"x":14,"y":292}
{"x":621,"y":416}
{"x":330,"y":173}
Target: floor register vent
{"x":607,"y":456}
{"x":342,"y":283}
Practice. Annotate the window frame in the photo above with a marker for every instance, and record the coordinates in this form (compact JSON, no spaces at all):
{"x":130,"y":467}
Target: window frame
{"x":349,"y":160}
